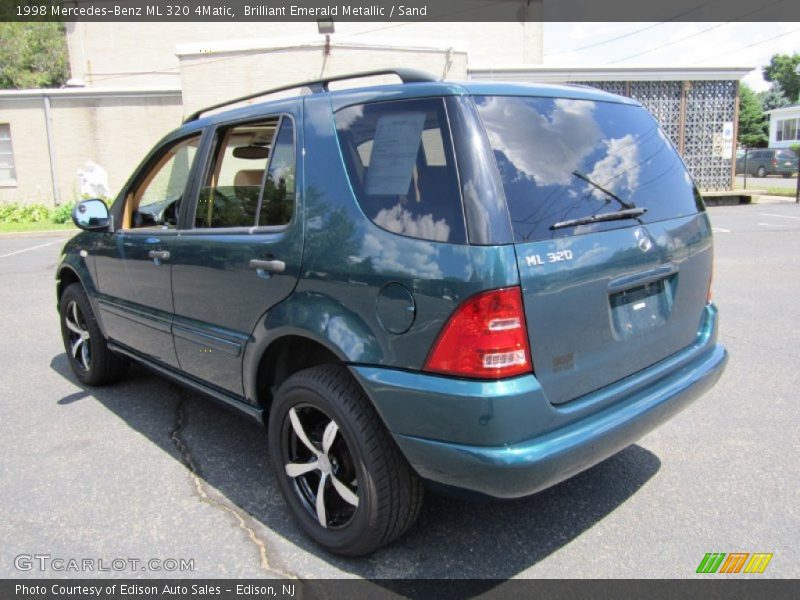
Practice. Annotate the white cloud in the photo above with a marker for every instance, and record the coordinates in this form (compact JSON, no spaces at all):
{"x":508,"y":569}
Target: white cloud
{"x":619,"y":168}
{"x":525,"y":136}
{"x":400,"y":255}
{"x":398,"y":220}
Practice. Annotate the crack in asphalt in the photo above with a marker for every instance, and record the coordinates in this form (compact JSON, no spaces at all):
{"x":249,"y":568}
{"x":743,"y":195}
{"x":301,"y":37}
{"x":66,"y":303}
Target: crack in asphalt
{"x":202,"y":492}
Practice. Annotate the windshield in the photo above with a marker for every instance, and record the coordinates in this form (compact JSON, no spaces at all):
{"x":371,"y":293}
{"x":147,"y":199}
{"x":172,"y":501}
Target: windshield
{"x":564,"y":160}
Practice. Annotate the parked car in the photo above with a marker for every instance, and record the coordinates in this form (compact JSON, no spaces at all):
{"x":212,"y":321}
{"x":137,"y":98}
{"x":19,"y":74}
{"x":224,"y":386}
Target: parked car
{"x":761,"y":162}
{"x":481,"y":287}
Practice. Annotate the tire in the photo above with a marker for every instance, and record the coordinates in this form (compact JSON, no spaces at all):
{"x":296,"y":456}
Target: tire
{"x":87,"y":351}
{"x":370,"y":494}
{"x":762,"y":172}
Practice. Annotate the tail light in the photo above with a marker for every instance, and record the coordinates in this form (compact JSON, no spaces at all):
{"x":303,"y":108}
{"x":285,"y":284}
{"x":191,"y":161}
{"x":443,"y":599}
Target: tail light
{"x":774,"y":163}
{"x":485,"y":338}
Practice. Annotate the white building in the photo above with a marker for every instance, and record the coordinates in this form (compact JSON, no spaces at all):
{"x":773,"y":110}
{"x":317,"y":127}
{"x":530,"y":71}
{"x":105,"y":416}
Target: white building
{"x":134,"y":82}
{"x":784,"y":126}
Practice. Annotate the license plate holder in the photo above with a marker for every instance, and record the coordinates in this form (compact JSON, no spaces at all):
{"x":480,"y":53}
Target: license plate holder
{"x":641,"y":308}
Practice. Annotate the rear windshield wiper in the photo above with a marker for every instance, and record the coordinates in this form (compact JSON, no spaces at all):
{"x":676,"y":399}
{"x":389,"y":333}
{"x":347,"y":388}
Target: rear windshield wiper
{"x":626,"y":213}
{"x":609,"y":193}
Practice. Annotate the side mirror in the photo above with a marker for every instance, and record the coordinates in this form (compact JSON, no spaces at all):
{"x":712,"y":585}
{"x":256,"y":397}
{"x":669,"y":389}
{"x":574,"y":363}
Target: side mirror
{"x":91,"y":215}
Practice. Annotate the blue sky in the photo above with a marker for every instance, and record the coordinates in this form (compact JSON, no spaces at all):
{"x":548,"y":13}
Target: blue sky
{"x":670,"y":44}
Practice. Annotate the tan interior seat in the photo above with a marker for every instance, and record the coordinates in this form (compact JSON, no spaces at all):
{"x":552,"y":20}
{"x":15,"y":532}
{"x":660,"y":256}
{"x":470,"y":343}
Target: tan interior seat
{"x":248,"y":177}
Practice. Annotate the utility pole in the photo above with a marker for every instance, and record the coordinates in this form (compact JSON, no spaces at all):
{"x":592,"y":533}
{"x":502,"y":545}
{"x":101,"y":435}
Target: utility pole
{"x":797,"y":191}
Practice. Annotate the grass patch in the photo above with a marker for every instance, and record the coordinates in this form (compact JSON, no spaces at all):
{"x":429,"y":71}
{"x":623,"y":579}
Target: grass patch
{"x":35,"y":217}
{"x":779,"y":191}
{"x":38,"y":226}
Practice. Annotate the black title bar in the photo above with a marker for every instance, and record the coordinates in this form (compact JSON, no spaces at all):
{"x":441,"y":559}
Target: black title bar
{"x":441,"y":589}
{"x":402,"y":10}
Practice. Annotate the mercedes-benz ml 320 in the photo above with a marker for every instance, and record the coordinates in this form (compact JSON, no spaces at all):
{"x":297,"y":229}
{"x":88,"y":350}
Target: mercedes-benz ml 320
{"x":482,"y":287}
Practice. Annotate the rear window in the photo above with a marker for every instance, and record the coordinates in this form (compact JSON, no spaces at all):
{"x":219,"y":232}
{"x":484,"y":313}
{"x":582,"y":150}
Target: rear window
{"x":785,"y":155}
{"x":562,"y":159}
{"x":402,"y":169}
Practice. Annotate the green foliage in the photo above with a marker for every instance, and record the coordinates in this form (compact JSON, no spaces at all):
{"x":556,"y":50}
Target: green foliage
{"x":63,"y":213}
{"x":781,"y":69}
{"x":774,"y":97}
{"x":32,"y":55}
{"x":24,"y":213}
{"x":753,"y":124}
{"x":35,"y":213}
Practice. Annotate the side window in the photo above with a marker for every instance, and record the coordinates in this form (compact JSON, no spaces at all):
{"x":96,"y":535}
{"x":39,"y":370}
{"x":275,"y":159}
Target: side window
{"x":250,"y":179}
{"x":277,"y":203}
{"x":402,"y":167}
{"x":8,"y":174}
{"x":156,"y":198}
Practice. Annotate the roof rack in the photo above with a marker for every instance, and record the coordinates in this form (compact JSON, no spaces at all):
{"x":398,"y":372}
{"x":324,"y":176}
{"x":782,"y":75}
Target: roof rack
{"x":318,"y":86}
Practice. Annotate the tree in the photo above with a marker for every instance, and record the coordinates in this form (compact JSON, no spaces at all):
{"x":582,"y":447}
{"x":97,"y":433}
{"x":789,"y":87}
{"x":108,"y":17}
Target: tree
{"x":753,"y":125}
{"x":774,"y":97}
{"x":32,"y":55}
{"x":781,"y":68}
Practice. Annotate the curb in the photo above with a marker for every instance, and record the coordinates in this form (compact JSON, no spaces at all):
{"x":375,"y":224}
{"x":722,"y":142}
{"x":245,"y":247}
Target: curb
{"x":765,"y":199}
{"x":737,"y":199}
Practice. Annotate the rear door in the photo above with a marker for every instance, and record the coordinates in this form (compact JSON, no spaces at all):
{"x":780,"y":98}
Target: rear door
{"x":603,"y":299}
{"x":755,"y":161}
{"x":240,"y":251}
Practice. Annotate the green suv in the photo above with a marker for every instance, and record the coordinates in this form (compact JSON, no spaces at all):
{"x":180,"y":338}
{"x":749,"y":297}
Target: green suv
{"x":481,"y":288}
{"x":761,"y":162}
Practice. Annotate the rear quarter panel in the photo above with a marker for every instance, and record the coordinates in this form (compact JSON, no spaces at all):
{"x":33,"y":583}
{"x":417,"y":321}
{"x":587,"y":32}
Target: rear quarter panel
{"x":347,"y":260}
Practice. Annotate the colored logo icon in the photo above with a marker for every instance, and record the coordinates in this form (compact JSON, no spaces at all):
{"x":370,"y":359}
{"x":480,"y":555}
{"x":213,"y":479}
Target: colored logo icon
{"x":734,"y":562}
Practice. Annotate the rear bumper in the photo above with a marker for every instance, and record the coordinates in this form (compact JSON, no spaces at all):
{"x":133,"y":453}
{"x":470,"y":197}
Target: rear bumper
{"x":504,"y":439}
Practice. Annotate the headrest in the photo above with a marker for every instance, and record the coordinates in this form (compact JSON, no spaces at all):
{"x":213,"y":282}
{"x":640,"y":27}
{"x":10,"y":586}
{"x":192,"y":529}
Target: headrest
{"x":248,"y":177}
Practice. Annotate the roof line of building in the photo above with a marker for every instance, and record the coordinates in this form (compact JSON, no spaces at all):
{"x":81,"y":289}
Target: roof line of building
{"x":790,"y":108}
{"x":544,"y":74}
{"x":92,"y":92}
{"x":311,"y":41}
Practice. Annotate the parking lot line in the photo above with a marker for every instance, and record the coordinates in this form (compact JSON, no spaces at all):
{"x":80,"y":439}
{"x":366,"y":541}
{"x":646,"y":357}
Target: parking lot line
{"x":29,"y":249}
{"x":779,"y":216}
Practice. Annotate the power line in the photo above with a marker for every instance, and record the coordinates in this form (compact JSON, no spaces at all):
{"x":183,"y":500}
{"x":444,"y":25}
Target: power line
{"x":632,"y":33}
{"x":672,"y":43}
{"x":775,"y":37}
{"x":608,"y":41}
{"x":701,"y":32}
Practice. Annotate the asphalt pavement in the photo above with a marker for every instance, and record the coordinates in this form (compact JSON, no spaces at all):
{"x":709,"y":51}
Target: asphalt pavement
{"x":144,"y":470}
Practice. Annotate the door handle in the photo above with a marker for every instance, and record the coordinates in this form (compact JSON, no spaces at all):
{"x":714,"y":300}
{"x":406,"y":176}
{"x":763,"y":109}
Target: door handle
{"x":269,"y":266}
{"x":159,"y":255}
{"x":629,"y":281}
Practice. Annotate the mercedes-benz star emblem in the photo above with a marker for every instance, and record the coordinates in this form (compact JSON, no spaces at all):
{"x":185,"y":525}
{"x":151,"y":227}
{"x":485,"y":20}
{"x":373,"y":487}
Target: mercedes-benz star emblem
{"x":643,"y":239}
